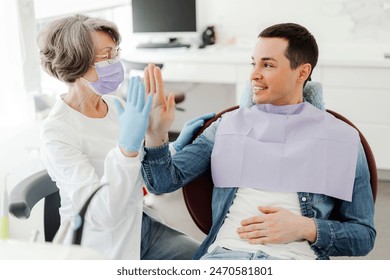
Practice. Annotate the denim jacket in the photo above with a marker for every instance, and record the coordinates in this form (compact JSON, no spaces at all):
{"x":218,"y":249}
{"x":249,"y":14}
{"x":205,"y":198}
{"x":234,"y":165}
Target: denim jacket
{"x":343,"y":228}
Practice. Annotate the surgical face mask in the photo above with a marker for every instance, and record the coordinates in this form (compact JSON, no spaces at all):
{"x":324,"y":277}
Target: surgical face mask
{"x":110,"y":76}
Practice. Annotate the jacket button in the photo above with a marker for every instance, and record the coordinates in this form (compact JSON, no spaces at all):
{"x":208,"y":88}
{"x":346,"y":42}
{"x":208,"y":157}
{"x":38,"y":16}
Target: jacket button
{"x":304,"y":198}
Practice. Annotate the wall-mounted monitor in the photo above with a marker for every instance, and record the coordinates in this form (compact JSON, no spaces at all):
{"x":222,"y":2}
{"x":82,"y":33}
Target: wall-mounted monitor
{"x":164,"y":19}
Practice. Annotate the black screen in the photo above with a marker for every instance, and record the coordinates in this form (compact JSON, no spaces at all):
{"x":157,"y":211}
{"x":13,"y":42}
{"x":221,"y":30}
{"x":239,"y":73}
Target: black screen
{"x":164,"y":16}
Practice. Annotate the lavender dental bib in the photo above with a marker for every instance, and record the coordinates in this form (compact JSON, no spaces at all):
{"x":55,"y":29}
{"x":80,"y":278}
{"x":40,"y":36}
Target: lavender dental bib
{"x":293,"y":148}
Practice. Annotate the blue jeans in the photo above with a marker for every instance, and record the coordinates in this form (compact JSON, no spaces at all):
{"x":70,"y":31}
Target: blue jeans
{"x":160,"y":242}
{"x":221,"y":253}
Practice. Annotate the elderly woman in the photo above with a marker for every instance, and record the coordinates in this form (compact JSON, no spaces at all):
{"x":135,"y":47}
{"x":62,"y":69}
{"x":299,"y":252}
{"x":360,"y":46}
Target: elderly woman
{"x":88,"y":143}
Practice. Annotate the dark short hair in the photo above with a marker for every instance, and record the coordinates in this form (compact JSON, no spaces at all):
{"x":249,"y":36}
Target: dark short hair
{"x":302,"y":46}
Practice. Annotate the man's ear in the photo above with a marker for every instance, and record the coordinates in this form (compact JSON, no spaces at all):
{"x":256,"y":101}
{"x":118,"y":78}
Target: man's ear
{"x":304,"y":71}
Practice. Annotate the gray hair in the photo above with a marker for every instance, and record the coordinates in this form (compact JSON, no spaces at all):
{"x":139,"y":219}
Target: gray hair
{"x":66,"y":46}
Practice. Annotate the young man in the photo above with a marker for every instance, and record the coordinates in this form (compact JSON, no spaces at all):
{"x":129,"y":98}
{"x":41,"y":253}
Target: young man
{"x":291,"y":181}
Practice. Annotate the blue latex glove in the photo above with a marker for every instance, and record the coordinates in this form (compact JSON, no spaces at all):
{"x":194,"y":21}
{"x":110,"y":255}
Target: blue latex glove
{"x":134,"y":117}
{"x":189,"y":130}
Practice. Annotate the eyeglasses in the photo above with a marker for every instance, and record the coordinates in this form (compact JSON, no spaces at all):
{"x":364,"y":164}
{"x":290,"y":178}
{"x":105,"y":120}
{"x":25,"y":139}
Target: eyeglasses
{"x":110,"y":56}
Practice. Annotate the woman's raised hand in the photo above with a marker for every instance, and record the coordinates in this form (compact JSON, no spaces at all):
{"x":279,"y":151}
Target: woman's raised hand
{"x":134,"y":117}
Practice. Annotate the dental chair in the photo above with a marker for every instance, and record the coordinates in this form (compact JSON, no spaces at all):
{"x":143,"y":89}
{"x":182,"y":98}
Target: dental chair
{"x":26,"y":194}
{"x":22,"y":199}
{"x":198,"y":193}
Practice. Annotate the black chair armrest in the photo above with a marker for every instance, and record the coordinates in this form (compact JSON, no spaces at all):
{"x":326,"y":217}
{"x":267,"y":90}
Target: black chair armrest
{"x":28,"y":192}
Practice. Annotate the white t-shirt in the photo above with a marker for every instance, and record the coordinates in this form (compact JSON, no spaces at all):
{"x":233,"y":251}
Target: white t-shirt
{"x":80,"y":154}
{"x":245,"y":205}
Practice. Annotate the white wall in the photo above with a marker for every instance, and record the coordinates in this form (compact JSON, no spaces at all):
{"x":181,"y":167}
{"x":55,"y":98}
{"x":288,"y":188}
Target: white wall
{"x":331,"y":21}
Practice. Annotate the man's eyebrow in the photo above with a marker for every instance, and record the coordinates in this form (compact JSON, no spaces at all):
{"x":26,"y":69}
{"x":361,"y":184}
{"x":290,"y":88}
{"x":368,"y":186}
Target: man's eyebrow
{"x":265,"y":58}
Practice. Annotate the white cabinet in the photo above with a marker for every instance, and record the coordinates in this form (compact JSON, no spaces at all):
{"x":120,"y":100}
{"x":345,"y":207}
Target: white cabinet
{"x":362,"y":94}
